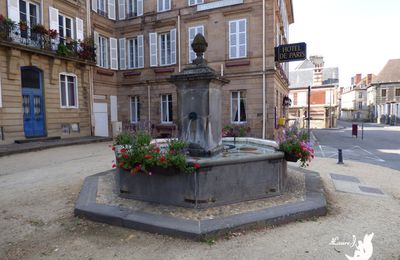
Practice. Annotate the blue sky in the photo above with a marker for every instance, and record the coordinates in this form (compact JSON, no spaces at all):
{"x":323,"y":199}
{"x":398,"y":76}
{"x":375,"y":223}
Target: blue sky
{"x":358,"y":36}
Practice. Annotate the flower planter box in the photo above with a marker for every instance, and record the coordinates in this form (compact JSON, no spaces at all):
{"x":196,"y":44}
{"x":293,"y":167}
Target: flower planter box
{"x":291,"y":157}
{"x":217,"y":183}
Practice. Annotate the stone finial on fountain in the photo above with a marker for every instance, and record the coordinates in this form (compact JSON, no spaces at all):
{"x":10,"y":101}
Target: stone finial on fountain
{"x":199,"y":46}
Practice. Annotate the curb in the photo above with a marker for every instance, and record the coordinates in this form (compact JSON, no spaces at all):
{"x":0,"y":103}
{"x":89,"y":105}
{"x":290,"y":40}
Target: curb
{"x":52,"y":145}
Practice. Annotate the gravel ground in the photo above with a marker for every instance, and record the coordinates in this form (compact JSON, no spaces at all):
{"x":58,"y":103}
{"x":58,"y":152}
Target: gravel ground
{"x":295,"y":191}
{"x":38,"y":192}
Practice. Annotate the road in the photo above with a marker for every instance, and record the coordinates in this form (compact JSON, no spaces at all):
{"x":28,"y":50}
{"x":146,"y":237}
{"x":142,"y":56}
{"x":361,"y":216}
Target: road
{"x":380,"y":144}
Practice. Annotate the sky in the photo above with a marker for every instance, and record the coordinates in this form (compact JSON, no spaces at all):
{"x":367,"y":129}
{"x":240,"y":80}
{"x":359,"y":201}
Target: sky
{"x":358,"y":36}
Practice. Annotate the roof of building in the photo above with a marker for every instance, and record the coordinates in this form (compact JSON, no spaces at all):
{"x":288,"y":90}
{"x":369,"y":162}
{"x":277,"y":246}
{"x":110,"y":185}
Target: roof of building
{"x":302,"y":76}
{"x":390,"y":72}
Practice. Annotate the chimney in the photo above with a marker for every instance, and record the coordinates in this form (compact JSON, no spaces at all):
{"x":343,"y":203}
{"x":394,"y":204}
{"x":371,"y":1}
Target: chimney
{"x":318,"y":62}
{"x":357,"y":79}
{"x":369,"y":79}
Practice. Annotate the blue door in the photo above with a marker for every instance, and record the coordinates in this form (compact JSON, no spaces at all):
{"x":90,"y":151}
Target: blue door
{"x":32,"y":102}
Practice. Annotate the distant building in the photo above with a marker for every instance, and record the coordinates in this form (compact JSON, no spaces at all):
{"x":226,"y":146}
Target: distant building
{"x":386,"y":89}
{"x":354,"y":99}
{"x":324,"y":82}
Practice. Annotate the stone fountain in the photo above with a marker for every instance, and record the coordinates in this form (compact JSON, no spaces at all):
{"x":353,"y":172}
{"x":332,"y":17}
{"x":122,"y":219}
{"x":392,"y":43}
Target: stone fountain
{"x":233,"y":184}
{"x":252,"y":170}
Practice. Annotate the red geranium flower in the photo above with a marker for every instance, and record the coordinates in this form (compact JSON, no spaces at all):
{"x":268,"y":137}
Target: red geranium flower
{"x":125,"y":155}
{"x":148,"y":156}
{"x":114,"y":165}
{"x":113,"y":148}
{"x":162,"y":159}
{"x":138,"y":168}
{"x":196,"y":166}
{"x":123,"y":150}
{"x":157,"y":149}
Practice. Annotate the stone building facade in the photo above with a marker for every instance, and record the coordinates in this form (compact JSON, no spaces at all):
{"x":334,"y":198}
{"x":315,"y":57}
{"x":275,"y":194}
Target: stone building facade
{"x":139,"y":45}
{"x":354,"y":99}
{"x":387,"y":94}
{"x":43,"y":93}
{"x":142,"y":43}
{"x":324,"y":103}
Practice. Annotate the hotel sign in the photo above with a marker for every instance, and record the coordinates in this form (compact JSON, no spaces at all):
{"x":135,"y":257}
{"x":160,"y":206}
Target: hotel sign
{"x":291,"y":52}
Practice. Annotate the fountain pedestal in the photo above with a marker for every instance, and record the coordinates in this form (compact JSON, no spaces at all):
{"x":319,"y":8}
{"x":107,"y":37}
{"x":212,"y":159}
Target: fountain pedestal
{"x":199,"y":109}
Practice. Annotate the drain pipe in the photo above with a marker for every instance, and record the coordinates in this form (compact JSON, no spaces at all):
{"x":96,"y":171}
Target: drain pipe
{"x":148,"y":105}
{"x":263,"y":70}
{"x":179,"y":41}
{"x":91,"y":87}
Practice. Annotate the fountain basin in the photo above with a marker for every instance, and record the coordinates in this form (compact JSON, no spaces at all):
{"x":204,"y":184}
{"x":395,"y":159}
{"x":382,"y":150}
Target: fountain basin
{"x":251,"y":170}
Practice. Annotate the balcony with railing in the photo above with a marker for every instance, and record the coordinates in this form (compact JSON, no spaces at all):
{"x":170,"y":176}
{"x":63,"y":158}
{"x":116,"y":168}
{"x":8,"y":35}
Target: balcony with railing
{"x":41,"y":40}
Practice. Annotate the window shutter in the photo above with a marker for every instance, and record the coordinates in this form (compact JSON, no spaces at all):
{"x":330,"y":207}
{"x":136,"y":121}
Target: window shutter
{"x":121,"y":10}
{"x":79,"y":29}
{"x":140,"y":51}
{"x":96,"y":43}
{"x":107,"y":60}
{"x":159,"y":5}
{"x":94,"y":5}
{"x":139,"y":7}
{"x":232,"y":40}
{"x":113,"y":54}
{"x":192,"y":34}
{"x":153,"y":49}
{"x":122,"y":53}
{"x":111,"y":9}
{"x":173,"y":46}
{"x":242,"y":38}
{"x":53,"y":24}
{"x":13,"y":10}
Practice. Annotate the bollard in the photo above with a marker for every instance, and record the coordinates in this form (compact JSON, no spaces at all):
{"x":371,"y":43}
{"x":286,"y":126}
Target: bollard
{"x":340,"y":156}
{"x":362,"y":131}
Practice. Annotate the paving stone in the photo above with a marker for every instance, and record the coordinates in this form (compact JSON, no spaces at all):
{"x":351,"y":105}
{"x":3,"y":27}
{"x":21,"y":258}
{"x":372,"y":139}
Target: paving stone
{"x":341,"y":177}
{"x":371,"y":190}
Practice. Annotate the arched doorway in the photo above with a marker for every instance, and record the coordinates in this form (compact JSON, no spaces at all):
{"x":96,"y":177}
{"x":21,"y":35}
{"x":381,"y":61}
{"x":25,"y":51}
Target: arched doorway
{"x":32,"y":102}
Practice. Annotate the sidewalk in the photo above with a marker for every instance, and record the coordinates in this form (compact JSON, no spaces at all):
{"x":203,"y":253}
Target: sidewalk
{"x":15,"y":148}
{"x":38,"y":201}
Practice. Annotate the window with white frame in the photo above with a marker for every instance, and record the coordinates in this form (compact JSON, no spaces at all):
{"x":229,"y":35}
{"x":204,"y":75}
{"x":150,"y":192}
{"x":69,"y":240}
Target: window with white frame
{"x":103,"y":52}
{"x":166,"y":108}
{"x":195,"y":2}
{"x":237,"y":39}
{"x":65,"y":28}
{"x":68,"y":91}
{"x":102,"y":7}
{"x":29,"y":12}
{"x":383,"y":93}
{"x":360,"y":105}
{"x":360,"y":95}
{"x":135,"y":52}
{"x":134,"y":8}
{"x":135,"y":109}
{"x":165,"y":48}
{"x":162,"y":48}
{"x":192,"y":32}
{"x":238,"y":106}
{"x":163,"y":5}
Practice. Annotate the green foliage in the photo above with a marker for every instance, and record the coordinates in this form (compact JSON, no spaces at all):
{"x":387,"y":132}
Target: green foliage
{"x":235,"y":130}
{"x":63,"y":50}
{"x":124,"y":138}
{"x":138,"y":154}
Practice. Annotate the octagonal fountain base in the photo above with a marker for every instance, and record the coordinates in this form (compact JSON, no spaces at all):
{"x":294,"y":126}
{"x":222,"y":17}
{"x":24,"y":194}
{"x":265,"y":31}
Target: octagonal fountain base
{"x":302,"y":198}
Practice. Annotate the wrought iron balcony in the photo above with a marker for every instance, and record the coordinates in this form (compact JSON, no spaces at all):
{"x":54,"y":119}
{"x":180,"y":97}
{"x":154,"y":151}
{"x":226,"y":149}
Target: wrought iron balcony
{"x":49,"y":41}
